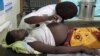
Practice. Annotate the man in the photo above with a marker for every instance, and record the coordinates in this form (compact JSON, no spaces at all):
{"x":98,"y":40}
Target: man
{"x":60,"y":12}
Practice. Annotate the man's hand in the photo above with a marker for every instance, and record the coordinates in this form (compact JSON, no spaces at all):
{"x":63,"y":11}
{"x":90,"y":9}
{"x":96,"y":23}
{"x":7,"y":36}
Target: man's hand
{"x":55,"y":17}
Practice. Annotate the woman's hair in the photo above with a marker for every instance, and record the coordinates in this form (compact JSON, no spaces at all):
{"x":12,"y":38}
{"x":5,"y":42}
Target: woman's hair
{"x":9,"y":38}
{"x":66,"y":10}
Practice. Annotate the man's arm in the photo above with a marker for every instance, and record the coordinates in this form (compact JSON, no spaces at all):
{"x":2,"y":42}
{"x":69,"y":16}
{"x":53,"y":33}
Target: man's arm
{"x":38,"y":19}
{"x":58,"y":49}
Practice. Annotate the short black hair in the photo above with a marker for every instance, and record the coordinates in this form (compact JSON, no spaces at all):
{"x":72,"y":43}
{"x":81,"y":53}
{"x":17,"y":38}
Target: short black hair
{"x":9,"y":38}
{"x":66,"y":9}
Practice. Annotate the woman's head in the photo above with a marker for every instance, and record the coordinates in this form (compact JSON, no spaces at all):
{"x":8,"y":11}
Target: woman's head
{"x":66,"y":10}
{"x":15,"y":35}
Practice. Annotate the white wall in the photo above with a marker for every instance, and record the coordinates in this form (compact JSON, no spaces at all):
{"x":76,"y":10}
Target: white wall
{"x":12,"y":17}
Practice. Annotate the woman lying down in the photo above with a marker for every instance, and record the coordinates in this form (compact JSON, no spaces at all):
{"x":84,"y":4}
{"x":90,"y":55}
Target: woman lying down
{"x":55,"y":39}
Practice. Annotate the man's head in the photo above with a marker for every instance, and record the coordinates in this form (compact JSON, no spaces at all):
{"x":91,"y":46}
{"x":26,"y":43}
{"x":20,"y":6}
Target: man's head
{"x":15,"y":35}
{"x":66,"y":10}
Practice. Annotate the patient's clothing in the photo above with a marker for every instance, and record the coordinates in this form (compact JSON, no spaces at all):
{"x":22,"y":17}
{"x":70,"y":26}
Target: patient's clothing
{"x":42,"y":34}
{"x":85,"y":36}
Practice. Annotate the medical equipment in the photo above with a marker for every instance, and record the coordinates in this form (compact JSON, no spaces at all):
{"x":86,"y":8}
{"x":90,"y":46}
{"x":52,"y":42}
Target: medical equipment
{"x":86,"y":9}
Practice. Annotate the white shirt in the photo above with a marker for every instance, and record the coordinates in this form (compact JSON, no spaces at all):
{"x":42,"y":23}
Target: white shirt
{"x":42,"y":34}
{"x":44,"y":11}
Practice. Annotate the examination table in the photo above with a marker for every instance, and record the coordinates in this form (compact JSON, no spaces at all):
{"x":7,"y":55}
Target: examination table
{"x":9,"y":52}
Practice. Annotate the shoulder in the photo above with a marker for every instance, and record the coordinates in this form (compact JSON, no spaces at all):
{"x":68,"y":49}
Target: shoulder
{"x":46,"y":10}
{"x":49,"y":6}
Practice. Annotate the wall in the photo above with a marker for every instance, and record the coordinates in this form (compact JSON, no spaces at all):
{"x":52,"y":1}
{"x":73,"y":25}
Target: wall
{"x":12,"y":17}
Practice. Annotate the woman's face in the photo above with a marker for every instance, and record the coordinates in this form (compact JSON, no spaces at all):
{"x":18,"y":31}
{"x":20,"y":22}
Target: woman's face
{"x":19,"y":34}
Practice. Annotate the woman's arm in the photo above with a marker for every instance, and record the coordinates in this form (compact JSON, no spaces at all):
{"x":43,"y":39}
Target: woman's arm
{"x":59,"y":49}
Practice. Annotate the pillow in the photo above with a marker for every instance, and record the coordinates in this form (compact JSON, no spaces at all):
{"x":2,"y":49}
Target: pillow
{"x":22,"y":47}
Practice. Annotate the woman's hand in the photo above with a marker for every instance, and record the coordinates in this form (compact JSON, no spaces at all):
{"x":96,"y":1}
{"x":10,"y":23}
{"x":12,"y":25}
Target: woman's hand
{"x":92,"y":51}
